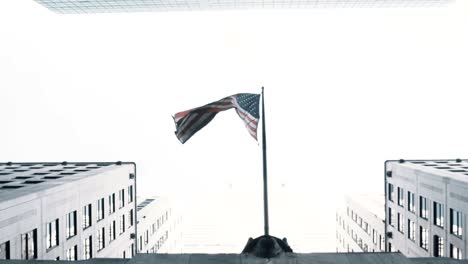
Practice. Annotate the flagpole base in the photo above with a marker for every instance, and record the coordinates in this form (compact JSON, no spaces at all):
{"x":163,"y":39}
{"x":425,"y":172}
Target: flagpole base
{"x":266,"y":247}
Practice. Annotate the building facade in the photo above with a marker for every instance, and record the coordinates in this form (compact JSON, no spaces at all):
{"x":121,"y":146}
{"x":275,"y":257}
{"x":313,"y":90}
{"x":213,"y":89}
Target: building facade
{"x":426,"y":206}
{"x":111,"y":6}
{"x":67,"y":211}
{"x":158,"y":225}
{"x":360,"y":226}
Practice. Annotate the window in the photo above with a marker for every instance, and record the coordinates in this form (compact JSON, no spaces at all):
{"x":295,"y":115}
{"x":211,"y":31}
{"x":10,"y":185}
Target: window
{"x":382,"y":243}
{"x":400,"y":223}
{"x":101,"y":233}
{"x":141,"y":244}
{"x":439,"y":213}
{"x":374,"y":237}
{"x":455,"y":252}
{"x":132,"y":250}
{"x":29,"y":245}
{"x":456,"y":222}
{"x":72,"y":253}
{"x":52,"y":232}
{"x":71,"y":224}
{"x":401,"y":196}
{"x":100,"y":209}
{"x":121,"y":198}
{"x":411,"y":230}
{"x":112,"y":231}
{"x":423,"y":237}
{"x":146,"y":237}
{"x":87,"y":216}
{"x":88,"y":248}
{"x":390,"y":192}
{"x":411,"y":202}
{"x":130,"y":193}
{"x":130,"y":218}
{"x":391,"y":216}
{"x":111,"y":203}
{"x":438,"y":246}
{"x":423,"y":208}
{"x":122,"y":224}
{"x":5,"y":250}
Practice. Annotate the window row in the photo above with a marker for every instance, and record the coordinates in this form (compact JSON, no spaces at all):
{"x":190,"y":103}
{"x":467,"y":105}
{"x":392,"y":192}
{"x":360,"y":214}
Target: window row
{"x":100,"y":205}
{"x":438,"y":211}
{"x":29,"y":239}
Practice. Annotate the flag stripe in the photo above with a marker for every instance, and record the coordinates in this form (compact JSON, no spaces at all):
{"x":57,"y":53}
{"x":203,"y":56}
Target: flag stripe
{"x":191,"y":121}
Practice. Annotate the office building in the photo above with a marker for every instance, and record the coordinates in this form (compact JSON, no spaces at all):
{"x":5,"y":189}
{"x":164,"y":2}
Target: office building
{"x":67,"y":211}
{"x":426,"y":206}
{"x":360,"y":225}
{"x":112,"y":6}
{"x":158,"y":226}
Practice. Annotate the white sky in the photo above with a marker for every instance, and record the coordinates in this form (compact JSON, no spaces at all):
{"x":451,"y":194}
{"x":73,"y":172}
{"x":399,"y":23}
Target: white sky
{"x":346,"y":89}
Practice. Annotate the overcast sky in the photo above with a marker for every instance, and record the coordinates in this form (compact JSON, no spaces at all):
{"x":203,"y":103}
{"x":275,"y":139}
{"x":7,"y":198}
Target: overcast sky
{"x":345,"y":89}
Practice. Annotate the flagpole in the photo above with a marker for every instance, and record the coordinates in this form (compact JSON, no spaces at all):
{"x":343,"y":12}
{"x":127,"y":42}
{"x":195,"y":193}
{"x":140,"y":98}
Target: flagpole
{"x":265,"y":180}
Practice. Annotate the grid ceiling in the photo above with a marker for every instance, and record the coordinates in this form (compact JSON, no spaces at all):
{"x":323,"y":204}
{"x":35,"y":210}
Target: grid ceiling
{"x":115,"y":6}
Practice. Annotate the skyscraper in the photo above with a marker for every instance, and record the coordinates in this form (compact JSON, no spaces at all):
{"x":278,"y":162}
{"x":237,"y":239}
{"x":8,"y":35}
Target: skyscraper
{"x":67,"y":211}
{"x":158,"y":226}
{"x":360,"y":225}
{"x":426,"y":207}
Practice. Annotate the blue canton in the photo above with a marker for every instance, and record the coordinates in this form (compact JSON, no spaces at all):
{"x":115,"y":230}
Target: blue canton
{"x":249,"y":102}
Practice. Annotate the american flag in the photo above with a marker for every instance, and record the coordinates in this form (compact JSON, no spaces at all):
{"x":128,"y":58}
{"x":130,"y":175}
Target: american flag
{"x":247,"y":107}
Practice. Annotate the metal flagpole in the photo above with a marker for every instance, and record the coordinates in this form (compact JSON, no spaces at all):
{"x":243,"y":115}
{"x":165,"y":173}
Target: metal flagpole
{"x":265,"y":181}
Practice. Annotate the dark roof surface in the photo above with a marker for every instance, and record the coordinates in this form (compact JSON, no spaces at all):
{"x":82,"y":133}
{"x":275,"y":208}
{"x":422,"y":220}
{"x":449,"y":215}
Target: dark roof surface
{"x":289,"y":258}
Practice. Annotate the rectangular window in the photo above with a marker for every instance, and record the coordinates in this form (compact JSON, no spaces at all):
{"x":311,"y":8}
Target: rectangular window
{"x":382,"y":243}
{"x":411,"y":230}
{"x":88,"y":248}
{"x":122,"y":224}
{"x":101,"y":240}
{"x":130,"y":193}
{"x":423,"y":237}
{"x":456,"y":222}
{"x":29,"y":245}
{"x":400,"y":223}
{"x":438,"y":246}
{"x":374,"y":236}
{"x":130,"y":218}
{"x":121,"y":198}
{"x":86,"y":216}
{"x":112,"y":203}
{"x":112,"y":231}
{"x":439,"y":213}
{"x":423,"y":208}
{"x":141,"y":244}
{"x":72,"y":253}
{"x":52,"y":233}
{"x":5,"y":250}
{"x":146,"y":237}
{"x":71,"y":224}
{"x":391,"y":217}
{"x":455,"y":252}
{"x":401,"y":196}
{"x":100,"y":209}
{"x":411,"y":202}
{"x":390,"y":192}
